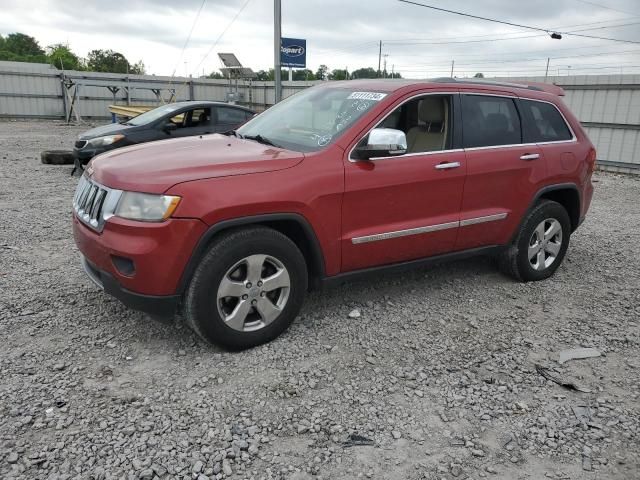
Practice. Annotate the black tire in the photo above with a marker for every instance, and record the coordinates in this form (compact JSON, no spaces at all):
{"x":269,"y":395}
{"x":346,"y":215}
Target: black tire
{"x":56,"y":157}
{"x":515,"y":262}
{"x":201,"y":304}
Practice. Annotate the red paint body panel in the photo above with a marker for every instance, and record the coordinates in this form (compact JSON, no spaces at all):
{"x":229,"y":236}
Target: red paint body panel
{"x":159,"y":251}
{"x":222,"y":178}
{"x":498,"y":182}
{"x":396,"y":194}
{"x":156,"y":166}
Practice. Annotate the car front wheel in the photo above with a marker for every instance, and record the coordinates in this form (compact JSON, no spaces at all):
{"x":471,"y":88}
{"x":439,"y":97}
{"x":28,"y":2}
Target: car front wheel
{"x":248,"y":288}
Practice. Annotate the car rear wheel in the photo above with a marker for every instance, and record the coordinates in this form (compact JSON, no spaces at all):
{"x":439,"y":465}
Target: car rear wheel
{"x":541,"y":243}
{"x":248,"y":288}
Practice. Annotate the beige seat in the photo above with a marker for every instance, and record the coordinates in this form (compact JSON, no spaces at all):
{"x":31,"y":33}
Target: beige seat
{"x":432,"y":135}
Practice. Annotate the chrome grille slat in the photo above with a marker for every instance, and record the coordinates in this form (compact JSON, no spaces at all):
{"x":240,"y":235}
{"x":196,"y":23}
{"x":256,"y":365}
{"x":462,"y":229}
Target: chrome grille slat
{"x":93,"y":203}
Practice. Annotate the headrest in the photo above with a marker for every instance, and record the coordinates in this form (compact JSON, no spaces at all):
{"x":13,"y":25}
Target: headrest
{"x":431,"y":110}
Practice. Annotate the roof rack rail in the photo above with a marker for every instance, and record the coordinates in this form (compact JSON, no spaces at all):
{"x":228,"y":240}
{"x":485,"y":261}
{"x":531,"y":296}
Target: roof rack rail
{"x":478,"y":81}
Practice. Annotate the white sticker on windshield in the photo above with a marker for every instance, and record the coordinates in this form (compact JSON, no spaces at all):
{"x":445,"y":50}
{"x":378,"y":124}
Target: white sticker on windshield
{"x":375,"y":96}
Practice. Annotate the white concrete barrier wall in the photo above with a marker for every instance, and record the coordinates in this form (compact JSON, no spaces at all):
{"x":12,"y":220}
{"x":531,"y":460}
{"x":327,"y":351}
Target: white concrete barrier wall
{"x":607,"y":105}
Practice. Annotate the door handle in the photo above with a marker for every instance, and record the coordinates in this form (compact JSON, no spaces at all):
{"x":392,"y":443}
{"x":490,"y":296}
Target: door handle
{"x":447,"y":165}
{"x":530,"y":156}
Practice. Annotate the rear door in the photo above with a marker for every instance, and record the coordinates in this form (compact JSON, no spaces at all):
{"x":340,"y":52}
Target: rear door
{"x":229,"y":118}
{"x":503,"y":172}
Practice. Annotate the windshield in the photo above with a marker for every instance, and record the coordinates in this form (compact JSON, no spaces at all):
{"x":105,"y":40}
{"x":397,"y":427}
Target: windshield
{"x":311,"y":119}
{"x":152,"y":115}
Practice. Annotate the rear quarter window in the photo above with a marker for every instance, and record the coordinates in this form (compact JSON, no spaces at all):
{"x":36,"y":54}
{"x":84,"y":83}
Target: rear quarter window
{"x":543,"y":122}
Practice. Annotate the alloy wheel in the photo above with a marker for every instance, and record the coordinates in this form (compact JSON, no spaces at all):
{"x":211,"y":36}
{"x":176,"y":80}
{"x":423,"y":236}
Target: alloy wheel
{"x":253,"y":293}
{"x":545,"y":244}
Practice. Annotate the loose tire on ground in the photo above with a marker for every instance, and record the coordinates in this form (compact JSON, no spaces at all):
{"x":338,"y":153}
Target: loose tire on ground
{"x":519,"y":260}
{"x":56,"y":157}
{"x":227,"y":263}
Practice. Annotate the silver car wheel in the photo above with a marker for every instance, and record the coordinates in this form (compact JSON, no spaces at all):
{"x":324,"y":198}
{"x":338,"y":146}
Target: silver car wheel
{"x":545,"y":244}
{"x":253,"y":293}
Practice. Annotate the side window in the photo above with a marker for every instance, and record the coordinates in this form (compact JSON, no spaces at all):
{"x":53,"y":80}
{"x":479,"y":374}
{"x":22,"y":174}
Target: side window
{"x":426,"y":121}
{"x":199,"y":117}
{"x":489,"y":121}
{"x":230,"y":116}
{"x":543,"y":123}
{"x":192,"y":118}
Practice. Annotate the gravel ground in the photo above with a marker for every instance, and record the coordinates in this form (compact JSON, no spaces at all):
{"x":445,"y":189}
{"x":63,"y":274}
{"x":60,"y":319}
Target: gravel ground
{"x":426,"y":375}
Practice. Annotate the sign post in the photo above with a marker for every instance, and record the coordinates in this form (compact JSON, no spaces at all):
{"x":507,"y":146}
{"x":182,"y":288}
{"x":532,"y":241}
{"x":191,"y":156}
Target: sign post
{"x":277,"y":18}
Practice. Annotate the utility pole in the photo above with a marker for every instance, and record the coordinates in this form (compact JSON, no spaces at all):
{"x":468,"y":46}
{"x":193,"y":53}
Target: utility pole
{"x":393,"y":67}
{"x":379,"y":56}
{"x":277,"y":42}
{"x":546,"y":73}
{"x":384,"y":70}
{"x":452,"y":64}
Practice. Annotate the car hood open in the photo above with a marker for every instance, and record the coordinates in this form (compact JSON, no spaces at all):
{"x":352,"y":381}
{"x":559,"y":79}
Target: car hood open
{"x":157,"y":166}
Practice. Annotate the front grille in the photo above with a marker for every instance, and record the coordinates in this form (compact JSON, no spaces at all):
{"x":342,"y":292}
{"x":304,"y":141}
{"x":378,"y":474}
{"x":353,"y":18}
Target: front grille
{"x":94,"y":203}
{"x":81,"y":144}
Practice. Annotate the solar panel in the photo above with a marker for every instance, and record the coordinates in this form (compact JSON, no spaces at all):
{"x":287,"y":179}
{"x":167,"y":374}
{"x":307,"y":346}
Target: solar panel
{"x":229,"y":60}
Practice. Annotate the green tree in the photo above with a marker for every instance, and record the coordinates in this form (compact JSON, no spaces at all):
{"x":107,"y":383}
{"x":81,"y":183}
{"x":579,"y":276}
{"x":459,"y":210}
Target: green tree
{"x":137,"y":68}
{"x":478,"y":75}
{"x":22,"y":44}
{"x":322,"y":73}
{"x":19,"y":47}
{"x":113,"y":62}
{"x":61,"y":57}
{"x":367,"y":72}
{"x":304,"y":74}
{"x":339,"y":74}
{"x":216,"y":75}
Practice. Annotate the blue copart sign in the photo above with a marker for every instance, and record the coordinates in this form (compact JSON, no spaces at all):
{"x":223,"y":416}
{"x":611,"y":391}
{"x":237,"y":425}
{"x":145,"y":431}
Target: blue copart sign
{"x":293,"y":53}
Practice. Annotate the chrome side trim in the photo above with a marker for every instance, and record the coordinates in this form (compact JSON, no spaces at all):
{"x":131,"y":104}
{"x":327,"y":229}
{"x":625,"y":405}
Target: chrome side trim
{"x":404,"y":233}
{"x":428,"y":229}
{"x":488,"y":218}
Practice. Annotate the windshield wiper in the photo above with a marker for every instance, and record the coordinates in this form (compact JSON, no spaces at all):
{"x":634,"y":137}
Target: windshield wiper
{"x":232,"y":132}
{"x":261,"y":139}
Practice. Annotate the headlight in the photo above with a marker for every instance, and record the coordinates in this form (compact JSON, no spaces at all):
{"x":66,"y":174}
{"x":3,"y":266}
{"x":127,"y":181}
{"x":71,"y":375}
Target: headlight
{"x":106,"y":140}
{"x":146,"y":207}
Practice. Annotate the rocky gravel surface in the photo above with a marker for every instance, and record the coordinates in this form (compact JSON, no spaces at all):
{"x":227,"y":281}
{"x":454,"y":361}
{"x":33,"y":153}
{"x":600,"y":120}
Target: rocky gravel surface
{"x":446,"y":373}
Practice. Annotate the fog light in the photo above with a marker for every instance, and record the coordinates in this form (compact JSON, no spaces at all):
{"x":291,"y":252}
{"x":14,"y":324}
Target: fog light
{"x":125,"y":266}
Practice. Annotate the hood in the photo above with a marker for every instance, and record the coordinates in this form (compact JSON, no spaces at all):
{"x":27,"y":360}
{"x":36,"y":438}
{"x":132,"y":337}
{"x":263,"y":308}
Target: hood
{"x":156,"y":166}
{"x":108,"y":129}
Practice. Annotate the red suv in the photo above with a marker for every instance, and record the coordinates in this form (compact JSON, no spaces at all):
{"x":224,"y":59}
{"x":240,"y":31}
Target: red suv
{"x":342,"y":179}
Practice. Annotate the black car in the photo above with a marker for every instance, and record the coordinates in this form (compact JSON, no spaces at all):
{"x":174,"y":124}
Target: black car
{"x":181,"y":119}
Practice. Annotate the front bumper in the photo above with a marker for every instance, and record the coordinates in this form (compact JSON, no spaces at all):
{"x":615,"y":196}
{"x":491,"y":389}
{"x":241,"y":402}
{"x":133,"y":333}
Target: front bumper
{"x":82,"y":156}
{"x":156,"y":253}
{"x":158,"y":306}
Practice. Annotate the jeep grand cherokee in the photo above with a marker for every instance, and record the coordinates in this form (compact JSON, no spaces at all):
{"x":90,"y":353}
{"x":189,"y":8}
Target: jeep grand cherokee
{"x":339,"y":180}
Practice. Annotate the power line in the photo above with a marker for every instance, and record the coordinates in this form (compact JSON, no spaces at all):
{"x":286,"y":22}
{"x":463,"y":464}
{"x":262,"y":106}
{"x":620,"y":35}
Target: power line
{"x":526,"y":27}
{"x":608,"y":8}
{"x":186,"y":42}
{"x":222,"y":34}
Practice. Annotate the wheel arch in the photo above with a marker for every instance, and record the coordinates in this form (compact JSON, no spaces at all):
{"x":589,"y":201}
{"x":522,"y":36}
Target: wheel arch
{"x":293,"y":225}
{"x":567,"y":195}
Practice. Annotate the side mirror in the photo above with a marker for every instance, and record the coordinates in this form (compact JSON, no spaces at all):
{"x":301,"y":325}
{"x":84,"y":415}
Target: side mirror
{"x":383,"y":142}
{"x":169,"y":127}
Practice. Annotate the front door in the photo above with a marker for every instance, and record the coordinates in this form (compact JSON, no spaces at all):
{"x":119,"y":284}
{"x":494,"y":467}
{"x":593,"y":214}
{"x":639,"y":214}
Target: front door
{"x":406,"y":207}
{"x":503,"y":172}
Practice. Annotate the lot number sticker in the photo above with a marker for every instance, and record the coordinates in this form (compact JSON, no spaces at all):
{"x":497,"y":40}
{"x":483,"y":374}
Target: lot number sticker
{"x":375,"y":96}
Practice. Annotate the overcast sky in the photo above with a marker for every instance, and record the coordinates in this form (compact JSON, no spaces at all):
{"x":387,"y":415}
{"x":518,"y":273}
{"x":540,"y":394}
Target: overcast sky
{"x":418,"y":42}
